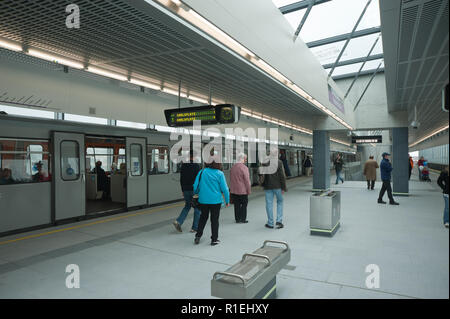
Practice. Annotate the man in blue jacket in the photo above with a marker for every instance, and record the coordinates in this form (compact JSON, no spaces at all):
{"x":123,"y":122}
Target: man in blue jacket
{"x":386,"y":169}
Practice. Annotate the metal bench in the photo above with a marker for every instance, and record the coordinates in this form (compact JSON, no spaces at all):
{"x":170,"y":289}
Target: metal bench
{"x":254,"y":277}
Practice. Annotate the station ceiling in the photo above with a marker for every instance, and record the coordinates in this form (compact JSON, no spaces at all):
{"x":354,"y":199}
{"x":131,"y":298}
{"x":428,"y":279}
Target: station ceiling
{"x":134,"y":38}
{"x":416,"y":58}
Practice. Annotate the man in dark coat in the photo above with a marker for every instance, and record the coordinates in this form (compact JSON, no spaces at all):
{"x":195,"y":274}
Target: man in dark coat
{"x":386,"y":169}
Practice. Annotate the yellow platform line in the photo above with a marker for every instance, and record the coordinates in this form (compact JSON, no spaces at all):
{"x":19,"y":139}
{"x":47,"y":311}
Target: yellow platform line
{"x":91,"y":224}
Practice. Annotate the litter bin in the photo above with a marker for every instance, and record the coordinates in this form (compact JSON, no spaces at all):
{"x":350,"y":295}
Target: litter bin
{"x":325,"y":213}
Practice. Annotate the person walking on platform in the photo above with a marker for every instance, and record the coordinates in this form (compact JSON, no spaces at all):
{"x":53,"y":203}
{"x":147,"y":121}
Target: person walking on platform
{"x":386,"y":169}
{"x":240,"y":188}
{"x":188,"y":174}
{"x":338,"y":164}
{"x":411,"y":165}
{"x":443,"y":183}
{"x":370,"y":171}
{"x":419,"y":166}
{"x":210,"y":185}
{"x":274,"y":185}
{"x":307,"y":164}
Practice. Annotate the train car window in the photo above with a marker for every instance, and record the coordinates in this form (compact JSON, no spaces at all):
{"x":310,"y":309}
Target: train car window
{"x":157,"y":160}
{"x":122,"y":157}
{"x":136,"y":159}
{"x":24,"y":161}
{"x":102,"y":154}
{"x":70,"y":160}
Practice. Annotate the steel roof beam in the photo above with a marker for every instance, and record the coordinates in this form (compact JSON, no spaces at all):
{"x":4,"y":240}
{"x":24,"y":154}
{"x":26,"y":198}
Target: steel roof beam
{"x":305,"y":16}
{"x":350,"y":36}
{"x":300,"y":5}
{"x":343,"y":37}
{"x":351,"y":75}
{"x":354,"y":61}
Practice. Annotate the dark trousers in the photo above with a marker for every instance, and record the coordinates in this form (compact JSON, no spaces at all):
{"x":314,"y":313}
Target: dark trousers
{"x":206,"y":209}
{"x":410,"y":170}
{"x":386,"y":187}
{"x":240,"y":207}
{"x":370,"y":184}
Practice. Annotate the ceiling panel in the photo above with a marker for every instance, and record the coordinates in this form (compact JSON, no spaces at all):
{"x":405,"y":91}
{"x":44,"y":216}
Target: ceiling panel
{"x":135,"y":38}
{"x":417,"y":59}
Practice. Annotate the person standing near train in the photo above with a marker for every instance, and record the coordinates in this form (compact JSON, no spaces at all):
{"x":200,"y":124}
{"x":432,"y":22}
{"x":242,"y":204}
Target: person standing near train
{"x":211,"y":186}
{"x":240,"y":188}
{"x":188,"y":174}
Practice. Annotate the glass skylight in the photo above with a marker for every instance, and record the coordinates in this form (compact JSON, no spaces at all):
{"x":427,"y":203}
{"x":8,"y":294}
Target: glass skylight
{"x":335,"y":18}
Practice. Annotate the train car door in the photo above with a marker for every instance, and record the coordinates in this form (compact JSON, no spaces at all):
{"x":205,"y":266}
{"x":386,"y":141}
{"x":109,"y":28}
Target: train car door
{"x":137,"y":171}
{"x":69,"y":175}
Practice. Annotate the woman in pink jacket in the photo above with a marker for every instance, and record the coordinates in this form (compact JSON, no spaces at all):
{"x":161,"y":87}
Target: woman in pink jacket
{"x":240,"y":188}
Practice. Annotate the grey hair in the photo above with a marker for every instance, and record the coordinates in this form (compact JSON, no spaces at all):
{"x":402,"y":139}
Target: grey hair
{"x":240,"y":157}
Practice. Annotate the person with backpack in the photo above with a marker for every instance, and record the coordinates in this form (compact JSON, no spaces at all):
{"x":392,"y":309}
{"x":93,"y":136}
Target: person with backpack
{"x":210,"y":185}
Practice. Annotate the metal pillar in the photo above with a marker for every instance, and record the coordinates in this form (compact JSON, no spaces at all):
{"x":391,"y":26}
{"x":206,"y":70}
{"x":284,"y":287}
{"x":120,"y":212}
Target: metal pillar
{"x":321,"y":160}
{"x":400,"y":160}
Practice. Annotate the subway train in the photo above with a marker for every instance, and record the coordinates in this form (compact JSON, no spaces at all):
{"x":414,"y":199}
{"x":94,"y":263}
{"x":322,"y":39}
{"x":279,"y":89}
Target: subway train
{"x":49,"y":172}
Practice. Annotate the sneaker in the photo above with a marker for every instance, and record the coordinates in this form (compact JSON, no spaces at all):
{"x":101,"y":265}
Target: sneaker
{"x":244,"y":221}
{"x":268,"y":226}
{"x":177,"y":226}
{"x":394,"y":203}
{"x":446,"y":225}
{"x":215,"y":242}
{"x":196,"y":240}
{"x":280,"y":225}
{"x":192,"y":231}
{"x":380,"y":201}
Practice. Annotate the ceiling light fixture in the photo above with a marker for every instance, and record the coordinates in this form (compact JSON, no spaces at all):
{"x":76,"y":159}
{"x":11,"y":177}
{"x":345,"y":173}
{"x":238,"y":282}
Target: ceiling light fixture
{"x":10,"y":45}
{"x":145,"y":84}
{"x":106,"y":73}
{"x":203,"y":24}
{"x":54,"y":58}
{"x":429,"y":135}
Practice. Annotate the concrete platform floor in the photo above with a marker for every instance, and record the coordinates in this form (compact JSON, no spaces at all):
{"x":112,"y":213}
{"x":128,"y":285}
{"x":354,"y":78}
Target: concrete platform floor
{"x":140,"y":255}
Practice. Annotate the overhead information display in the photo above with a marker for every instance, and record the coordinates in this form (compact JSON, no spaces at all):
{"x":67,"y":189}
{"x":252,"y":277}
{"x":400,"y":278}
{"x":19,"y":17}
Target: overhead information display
{"x":208,"y":115}
{"x":367,"y":139}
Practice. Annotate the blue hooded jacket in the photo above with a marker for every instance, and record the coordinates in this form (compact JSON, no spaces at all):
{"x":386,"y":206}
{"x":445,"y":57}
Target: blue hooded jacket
{"x":385,"y":169}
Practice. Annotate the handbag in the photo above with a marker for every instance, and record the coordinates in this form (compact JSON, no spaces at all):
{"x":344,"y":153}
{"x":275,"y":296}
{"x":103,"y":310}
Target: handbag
{"x":194,"y":201}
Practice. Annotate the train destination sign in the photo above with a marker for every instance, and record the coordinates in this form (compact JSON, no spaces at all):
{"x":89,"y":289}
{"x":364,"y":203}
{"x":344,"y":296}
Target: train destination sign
{"x":367,"y":139}
{"x":208,"y":115}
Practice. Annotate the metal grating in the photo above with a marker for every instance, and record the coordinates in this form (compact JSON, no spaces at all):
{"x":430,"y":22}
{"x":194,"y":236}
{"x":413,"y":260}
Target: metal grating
{"x":422,"y":62}
{"x":121,"y":36}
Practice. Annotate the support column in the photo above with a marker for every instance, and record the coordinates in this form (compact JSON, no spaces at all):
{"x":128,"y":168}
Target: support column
{"x":321,"y":160}
{"x":400,"y":160}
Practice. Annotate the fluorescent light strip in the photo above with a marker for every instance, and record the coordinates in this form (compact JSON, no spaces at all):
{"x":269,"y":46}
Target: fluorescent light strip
{"x":429,"y":135}
{"x":10,"y":45}
{"x":198,"y":99}
{"x":106,"y":73}
{"x":53,"y":58}
{"x":174,"y":92}
{"x":145,"y":84}
{"x":203,"y":24}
